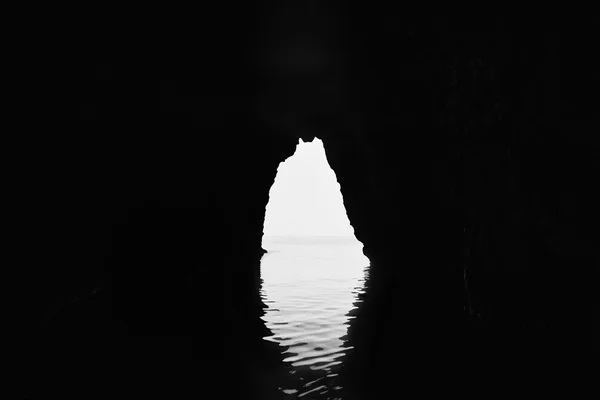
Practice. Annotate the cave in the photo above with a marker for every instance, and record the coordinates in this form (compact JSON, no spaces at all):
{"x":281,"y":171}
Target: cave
{"x":459,"y":175}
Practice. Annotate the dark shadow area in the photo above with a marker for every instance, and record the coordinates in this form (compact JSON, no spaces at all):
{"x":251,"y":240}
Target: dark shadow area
{"x":85,"y":351}
{"x":466,"y":165}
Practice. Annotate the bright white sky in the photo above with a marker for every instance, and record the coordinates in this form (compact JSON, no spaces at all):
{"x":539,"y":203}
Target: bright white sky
{"x":305,"y":199}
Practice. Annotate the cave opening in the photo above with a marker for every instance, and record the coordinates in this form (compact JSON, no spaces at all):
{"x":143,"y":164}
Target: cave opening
{"x":314,"y":268}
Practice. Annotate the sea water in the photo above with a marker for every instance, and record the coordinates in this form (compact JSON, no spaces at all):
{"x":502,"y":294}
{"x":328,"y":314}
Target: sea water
{"x":310,"y":285}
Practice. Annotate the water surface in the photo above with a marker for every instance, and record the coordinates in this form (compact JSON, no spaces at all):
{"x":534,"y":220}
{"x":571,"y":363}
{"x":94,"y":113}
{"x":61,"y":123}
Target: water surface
{"x":310,"y":285}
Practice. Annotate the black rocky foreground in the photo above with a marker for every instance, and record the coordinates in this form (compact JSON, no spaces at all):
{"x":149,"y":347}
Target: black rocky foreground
{"x":466,"y":172}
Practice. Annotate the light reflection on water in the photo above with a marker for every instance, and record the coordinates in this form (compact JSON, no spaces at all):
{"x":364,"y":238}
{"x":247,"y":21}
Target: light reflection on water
{"x":310,"y":286}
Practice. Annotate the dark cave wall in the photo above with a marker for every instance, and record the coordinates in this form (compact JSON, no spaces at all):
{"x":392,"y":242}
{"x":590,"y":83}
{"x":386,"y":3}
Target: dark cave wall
{"x":445,"y":148}
{"x":443,"y":144}
{"x":460,"y":129}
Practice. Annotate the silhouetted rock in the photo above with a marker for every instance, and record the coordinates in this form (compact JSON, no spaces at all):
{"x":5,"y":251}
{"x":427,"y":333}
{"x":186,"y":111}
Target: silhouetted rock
{"x":445,"y":133}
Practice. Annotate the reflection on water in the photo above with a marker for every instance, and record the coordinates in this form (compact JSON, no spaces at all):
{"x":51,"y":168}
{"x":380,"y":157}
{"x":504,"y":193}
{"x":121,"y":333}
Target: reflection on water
{"x":310,"y":287}
{"x":322,"y":322}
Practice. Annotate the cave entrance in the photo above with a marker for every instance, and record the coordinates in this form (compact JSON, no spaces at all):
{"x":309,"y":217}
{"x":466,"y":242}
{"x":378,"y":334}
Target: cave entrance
{"x":314,"y":268}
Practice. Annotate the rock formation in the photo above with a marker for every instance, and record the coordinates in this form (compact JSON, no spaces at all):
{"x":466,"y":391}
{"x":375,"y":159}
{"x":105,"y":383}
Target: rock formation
{"x":445,"y":134}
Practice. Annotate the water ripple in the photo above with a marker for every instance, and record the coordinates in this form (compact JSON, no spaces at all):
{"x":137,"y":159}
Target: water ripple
{"x":310,"y":297}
